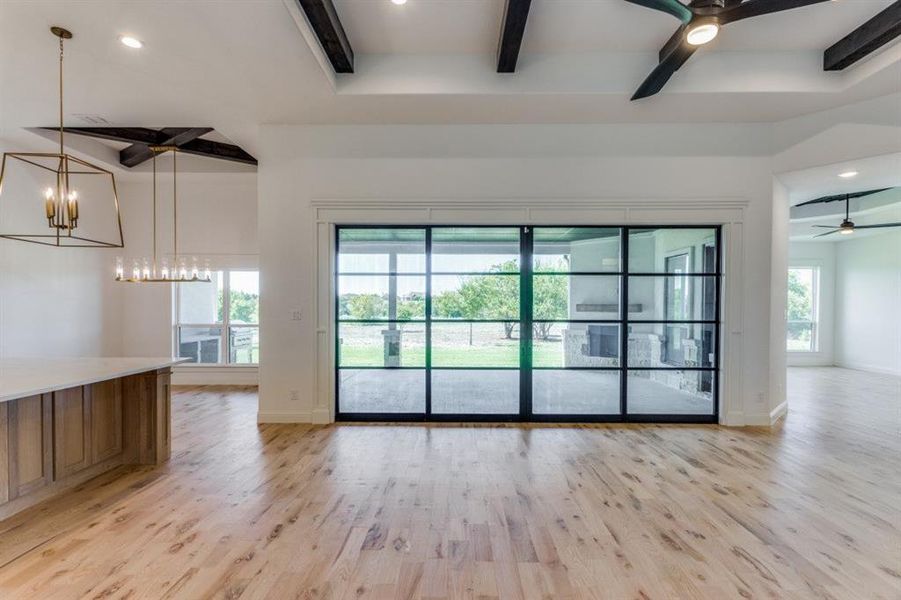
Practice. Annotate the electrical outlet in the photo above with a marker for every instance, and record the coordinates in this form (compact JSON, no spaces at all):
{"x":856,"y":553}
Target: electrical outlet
{"x":295,"y":395}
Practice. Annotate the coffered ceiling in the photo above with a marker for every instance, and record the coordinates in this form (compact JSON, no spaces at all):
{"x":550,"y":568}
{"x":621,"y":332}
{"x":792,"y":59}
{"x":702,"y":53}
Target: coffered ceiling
{"x":235,"y":65}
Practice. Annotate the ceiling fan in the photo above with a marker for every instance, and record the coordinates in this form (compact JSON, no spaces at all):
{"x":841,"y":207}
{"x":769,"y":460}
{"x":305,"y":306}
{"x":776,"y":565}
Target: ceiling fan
{"x":701,"y":22}
{"x":847,"y":226}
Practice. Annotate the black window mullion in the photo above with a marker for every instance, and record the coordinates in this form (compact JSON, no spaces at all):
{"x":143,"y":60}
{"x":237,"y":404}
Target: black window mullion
{"x":525,"y":323}
{"x":624,"y":324}
{"x":428,"y":322}
{"x":717,"y":342}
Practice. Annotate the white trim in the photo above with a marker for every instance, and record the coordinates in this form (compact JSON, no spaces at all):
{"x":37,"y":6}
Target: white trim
{"x":760,"y":420}
{"x":778,"y":412}
{"x":321,"y":416}
{"x":728,"y":212}
{"x":283,"y":417}
{"x":733,"y":419}
{"x":858,"y":366}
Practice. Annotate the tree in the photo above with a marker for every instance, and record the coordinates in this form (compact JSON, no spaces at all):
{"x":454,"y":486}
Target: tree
{"x":800,"y":303}
{"x":799,"y":308}
{"x":496,"y":296}
{"x":244,"y":307}
{"x":550,"y":298}
{"x":449,"y":305}
{"x":411,"y":308}
{"x":366,"y":306}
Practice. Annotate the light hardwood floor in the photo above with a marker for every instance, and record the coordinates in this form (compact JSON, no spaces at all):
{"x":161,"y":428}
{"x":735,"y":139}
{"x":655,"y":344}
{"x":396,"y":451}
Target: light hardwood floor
{"x":811,"y":510}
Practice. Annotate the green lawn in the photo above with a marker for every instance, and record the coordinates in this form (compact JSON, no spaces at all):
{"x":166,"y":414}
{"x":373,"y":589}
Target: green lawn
{"x":506,"y":355}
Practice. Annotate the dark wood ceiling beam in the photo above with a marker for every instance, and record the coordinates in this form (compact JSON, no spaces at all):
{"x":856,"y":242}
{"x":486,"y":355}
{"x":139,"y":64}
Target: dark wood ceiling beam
{"x":864,"y":40}
{"x":220,"y":150}
{"x":516,"y":13}
{"x":186,"y":139}
{"x":176,"y":136}
{"x":137,"y":153}
{"x":323,"y":18}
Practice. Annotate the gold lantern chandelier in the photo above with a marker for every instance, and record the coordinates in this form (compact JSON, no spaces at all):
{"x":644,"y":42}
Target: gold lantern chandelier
{"x":155,"y":270}
{"x":61,"y":201}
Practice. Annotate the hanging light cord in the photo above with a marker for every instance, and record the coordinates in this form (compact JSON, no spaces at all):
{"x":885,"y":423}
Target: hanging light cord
{"x":175,"y":203}
{"x":61,"y":95}
{"x":154,"y":213}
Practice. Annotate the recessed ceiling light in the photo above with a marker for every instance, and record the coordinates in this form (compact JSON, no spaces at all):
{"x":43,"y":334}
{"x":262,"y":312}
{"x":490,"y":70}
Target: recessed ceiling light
{"x":398,"y":2}
{"x":702,"y":33}
{"x":848,"y":174}
{"x":131,"y":42}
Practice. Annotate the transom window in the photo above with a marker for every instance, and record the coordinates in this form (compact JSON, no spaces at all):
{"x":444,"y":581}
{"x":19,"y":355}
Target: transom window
{"x":219,"y":323}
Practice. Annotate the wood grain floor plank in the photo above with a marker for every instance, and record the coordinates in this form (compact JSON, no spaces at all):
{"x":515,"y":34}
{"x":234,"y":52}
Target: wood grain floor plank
{"x":811,"y":509}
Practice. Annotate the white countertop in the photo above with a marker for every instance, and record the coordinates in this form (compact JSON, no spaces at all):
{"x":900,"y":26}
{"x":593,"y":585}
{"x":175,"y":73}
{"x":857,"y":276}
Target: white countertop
{"x":23,"y":377}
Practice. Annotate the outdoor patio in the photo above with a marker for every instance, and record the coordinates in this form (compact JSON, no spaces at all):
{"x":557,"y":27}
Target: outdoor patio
{"x":497,"y":392}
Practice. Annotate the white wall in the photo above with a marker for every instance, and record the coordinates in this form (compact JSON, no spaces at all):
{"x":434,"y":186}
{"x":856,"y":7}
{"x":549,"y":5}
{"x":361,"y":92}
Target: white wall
{"x":464,"y":166}
{"x":53,"y":301}
{"x":64,"y":301}
{"x":217,"y":222}
{"x":868,"y":303}
{"x":778,"y":285}
{"x":821,"y":255}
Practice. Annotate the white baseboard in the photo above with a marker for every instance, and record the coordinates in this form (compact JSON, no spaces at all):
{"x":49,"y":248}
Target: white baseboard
{"x":867,"y":367}
{"x":321,"y":416}
{"x":283,"y":417}
{"x":215,"y":376}
{"x":733,"y":419}
{"x":757,"y":420}
{"x":812,"y":359}
{"x":778,"y":412}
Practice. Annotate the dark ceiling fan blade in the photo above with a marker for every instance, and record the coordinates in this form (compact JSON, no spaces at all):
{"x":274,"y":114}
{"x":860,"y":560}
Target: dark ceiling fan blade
{"x":668,"y":65}
{"x":827,"y":233}
{"x":838,"y":197}
{"x":877,"y":225}
{"x":672,"y":7}
{"x":825,"y":226}
{"x":755,"y":8}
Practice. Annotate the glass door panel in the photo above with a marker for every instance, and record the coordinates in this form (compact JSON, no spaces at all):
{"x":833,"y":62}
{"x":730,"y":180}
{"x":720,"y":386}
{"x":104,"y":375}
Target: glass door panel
{"x":381,"y":327}
{"x":672,"y":355}
{"x":475,"y":318}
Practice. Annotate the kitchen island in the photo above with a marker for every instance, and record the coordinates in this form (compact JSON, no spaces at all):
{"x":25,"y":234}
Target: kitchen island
{"x":66,"y":420}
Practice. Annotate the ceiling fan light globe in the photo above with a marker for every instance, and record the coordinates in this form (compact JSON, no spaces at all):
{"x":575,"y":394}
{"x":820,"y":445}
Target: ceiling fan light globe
{"x":702,"y":33}
{"x":846,"y":230}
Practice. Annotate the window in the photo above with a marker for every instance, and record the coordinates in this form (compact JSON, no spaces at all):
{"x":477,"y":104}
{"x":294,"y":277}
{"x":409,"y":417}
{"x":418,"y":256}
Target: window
{"x":801,"y":317}
{"x":527,"y":323}
{"x":218,"y":323}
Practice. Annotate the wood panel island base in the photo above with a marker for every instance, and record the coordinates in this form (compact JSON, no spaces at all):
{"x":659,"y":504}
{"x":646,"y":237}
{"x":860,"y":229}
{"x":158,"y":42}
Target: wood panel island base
{"x":64,"y":421}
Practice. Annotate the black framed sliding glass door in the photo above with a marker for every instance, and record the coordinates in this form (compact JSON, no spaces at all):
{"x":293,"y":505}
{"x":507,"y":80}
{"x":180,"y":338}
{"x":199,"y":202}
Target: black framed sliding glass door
{"x":521,"y":323}
{"x":381,"y":342}
{"x":576,"y":323}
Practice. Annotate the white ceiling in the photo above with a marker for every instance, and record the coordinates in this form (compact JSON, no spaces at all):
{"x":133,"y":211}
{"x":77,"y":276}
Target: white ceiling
{"x":873,"y":173}
{"x":236,"y":64}
{"x":554,"y":26}
{"x":884,"y":207}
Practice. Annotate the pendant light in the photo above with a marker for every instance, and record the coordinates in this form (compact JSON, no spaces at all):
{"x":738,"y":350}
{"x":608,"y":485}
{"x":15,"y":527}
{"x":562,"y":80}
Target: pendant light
{"x":73,"y":187}
{"x":151,"y":269}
